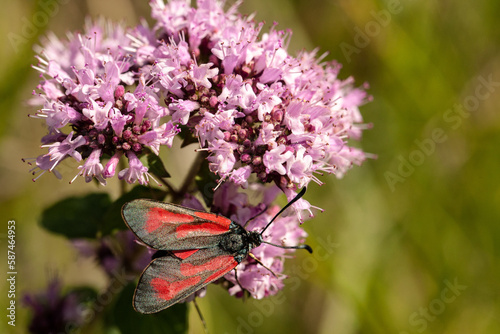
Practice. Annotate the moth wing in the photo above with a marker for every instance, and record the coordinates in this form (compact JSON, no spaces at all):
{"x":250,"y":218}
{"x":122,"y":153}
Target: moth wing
{"x":170,"y":279}
{"x":172,"y":227}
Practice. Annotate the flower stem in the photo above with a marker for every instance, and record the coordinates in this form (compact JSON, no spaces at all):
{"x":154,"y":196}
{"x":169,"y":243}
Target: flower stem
{"x":167,"y":184}
{"x":193,"y":171}
{"x":123,"y":183}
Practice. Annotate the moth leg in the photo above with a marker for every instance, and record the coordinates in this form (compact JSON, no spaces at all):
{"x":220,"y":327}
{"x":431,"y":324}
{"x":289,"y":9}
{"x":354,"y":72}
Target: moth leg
{"x":238,"y":281}
{"x":201,"y":316}
{"x":262,"y":264}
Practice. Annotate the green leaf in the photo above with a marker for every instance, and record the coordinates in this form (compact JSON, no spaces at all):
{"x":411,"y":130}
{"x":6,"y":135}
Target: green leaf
{"x":172,"y":320}
{"x":112,"y":219}
{"x":206,"y":182}
{"x":156,"y":167}
{"x":76,"y":217}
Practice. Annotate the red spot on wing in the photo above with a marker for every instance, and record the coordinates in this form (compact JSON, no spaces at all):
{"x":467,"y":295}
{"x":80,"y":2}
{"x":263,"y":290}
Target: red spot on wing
{"x":167,"y":290}
{"x":189,"y":269}
{"x":216,"y":219}
{"x":210,"y":228}
{"x":216,"y":225}
{"x":157,"y":217}
{"x":229,"y":266}
{"x":185,"y":253}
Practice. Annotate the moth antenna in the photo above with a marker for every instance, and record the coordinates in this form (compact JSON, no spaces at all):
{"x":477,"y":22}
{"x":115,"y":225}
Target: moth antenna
{"x":306,"y":247}
{"x":201,"y":316}
{"x":262,"y":264}
{"x":295,"y":199}
{"x":248,"y":221}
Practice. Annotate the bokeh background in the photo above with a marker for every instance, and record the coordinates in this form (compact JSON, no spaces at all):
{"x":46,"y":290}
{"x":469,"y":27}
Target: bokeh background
{"x":409,"y":242}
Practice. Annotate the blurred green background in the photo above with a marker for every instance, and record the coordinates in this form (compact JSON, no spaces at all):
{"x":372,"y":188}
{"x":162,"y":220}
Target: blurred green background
{"x":415,"y":234}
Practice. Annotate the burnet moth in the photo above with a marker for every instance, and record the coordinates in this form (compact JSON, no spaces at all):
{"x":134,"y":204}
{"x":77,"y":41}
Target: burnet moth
{"x":194,"y":248}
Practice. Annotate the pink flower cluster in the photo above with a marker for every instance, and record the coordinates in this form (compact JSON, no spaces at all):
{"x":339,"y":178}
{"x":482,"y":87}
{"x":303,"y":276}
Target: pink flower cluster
{"x":254,"y":107}
{"x":52,"y":310}
{"x":111,"y":93}
{"x":83,"y":90}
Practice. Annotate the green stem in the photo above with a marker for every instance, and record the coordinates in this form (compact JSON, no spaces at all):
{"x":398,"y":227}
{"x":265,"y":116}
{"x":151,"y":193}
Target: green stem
{"x":167,"y":184}
{"x":193,"y":171}
{"x":122,"y":183}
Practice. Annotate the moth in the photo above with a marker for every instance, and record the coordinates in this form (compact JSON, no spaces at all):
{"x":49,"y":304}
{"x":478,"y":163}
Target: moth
{"x":194,"y":249}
